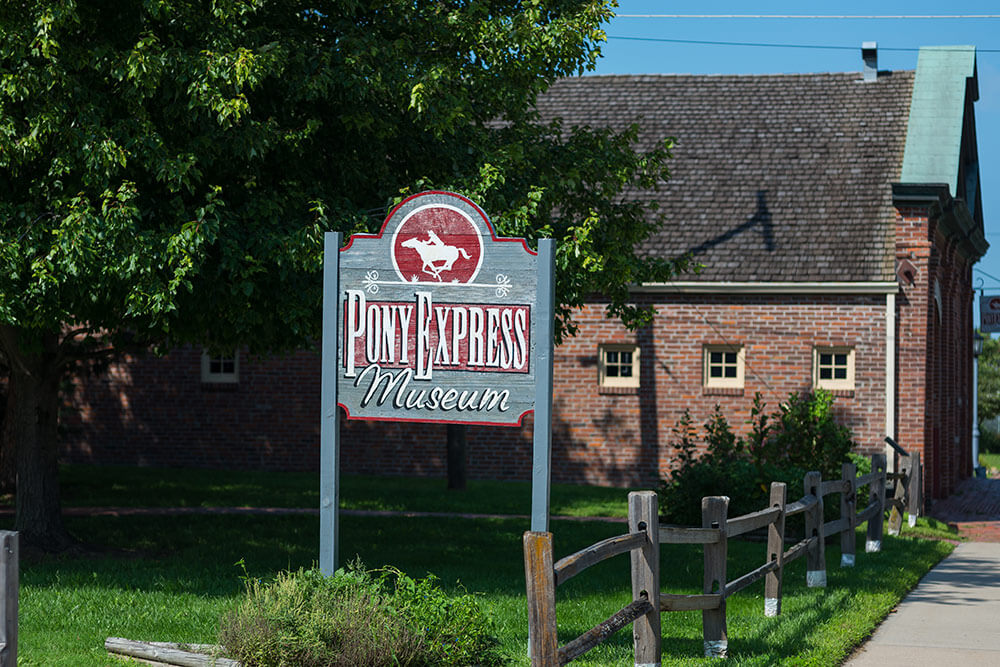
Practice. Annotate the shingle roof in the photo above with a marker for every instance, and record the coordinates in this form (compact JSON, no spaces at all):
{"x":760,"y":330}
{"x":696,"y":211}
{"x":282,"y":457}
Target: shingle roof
{"x":774,"y":177}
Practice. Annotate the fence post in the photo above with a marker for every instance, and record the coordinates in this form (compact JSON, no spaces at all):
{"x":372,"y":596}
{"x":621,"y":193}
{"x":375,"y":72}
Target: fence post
{"x":877,"y":492}
{"x":714,"y":511}
{"x":540,"y":575}
{"x":816,"y":555}
{"x":643,"y":515}
{"x":775,"y":551}
{"x":916,"y":501}
{"x":848,"y":511}
{"x":9,"y":585}
{"x":899,"y":494}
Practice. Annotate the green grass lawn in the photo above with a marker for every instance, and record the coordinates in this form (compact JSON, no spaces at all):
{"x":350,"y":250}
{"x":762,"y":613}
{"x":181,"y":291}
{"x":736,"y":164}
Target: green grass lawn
{"x":178,"y":576}
{"x":989,"y":460}
{"x":94,"y":486}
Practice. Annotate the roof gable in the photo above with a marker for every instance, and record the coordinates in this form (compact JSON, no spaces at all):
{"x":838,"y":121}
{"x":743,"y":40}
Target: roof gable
{"x":943,"y":91}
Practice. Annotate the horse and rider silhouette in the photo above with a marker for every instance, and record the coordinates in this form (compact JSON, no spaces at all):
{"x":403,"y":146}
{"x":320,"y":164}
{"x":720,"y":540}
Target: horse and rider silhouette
{"x":436,"y":256}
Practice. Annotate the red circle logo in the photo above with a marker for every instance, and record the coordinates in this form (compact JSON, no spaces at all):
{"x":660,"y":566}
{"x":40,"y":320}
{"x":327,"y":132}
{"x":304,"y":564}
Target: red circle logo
{"x":437,"y":244}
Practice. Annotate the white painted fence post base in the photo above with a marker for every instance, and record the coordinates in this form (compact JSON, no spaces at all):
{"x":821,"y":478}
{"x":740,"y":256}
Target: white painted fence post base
{"x":716,"y":649}
{"x":816,"y":578}
{"x":771,"y":606}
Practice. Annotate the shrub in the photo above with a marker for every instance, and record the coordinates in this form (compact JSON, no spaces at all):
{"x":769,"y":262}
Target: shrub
{"x":989,"y":441}
{"x":780,"y":447}
{"x":808,"y":435}
{"x":862,"y":463}
{"x":356,"y":618}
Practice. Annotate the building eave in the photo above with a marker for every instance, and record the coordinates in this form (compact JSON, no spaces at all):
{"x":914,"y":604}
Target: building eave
{"x":952,"y":213}
{"x":783,"y":287}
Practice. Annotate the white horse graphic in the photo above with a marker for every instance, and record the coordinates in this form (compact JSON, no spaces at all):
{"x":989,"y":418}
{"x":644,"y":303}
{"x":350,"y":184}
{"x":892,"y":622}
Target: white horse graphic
{"x":435,"y":255}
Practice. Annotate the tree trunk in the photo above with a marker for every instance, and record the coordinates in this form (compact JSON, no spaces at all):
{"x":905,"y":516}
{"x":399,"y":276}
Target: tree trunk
{"x":8,"y":466}
{"x":31,"y":423}
{"x":456,"y":457}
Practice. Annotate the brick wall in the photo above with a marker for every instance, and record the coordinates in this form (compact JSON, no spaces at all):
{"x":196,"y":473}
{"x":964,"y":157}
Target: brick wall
{"x":152,"y":411}
{"x":156,"y":411}
{"x":934,"y":350}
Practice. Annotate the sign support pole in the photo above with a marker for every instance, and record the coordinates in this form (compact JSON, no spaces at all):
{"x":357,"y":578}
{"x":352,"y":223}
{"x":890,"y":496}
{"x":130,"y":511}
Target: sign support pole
{"x":329,"y":467}
{"x":542,"y":439}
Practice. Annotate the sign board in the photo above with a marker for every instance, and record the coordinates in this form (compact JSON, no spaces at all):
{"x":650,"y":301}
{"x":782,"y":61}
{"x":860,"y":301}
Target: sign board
{"x":437,"y":318}
{"x":989,"y":314}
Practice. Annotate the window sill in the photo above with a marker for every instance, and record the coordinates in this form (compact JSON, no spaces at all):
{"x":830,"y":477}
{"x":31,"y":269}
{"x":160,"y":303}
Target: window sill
{"x":722,"y":391}
{"x":220,"y":386}
{"x":839,"y":393}
{"x":618,"y":391}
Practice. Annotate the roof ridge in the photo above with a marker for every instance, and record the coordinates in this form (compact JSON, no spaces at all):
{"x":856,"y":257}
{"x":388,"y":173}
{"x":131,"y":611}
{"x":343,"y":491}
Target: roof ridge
{"x":725,"y":75}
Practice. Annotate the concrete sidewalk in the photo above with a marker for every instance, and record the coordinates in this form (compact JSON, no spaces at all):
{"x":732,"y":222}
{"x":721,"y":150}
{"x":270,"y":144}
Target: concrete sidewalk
{"x":951,"y":617}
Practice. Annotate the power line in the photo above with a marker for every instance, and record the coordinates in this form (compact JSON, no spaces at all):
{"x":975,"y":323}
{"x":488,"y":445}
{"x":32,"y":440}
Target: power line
{"x":811,"y":16}
{"x":779,"y":46}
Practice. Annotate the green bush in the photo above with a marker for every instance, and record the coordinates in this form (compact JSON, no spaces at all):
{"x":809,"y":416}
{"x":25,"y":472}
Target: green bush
{"x":809,"y":437}
{"x":356,"y":618}
{"x":780,"y":447}
{"x":862,"y":463}
{"x":989,"y":441}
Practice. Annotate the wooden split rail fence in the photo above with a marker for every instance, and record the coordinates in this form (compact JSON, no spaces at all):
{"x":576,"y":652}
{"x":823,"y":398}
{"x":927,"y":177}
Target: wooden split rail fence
{"x":645,"y":536}
{"x":907,"y":495}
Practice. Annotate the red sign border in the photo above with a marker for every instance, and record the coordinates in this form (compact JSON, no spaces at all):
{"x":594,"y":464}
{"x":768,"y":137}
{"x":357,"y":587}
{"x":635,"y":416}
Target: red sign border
{"x":495,"y":239}
{"x":469,"y":202}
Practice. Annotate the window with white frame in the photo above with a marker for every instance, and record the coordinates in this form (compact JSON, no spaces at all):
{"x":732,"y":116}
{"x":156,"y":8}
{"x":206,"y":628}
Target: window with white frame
{"x":220,"y":368}
{"x":833,"y":368}
{"x":723,"y":366}
{"x":618,"y":365}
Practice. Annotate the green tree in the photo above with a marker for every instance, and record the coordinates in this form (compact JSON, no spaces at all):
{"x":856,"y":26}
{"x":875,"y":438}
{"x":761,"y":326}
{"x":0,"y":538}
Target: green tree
{"x":989,"y":379}
{"x":168,"y":167}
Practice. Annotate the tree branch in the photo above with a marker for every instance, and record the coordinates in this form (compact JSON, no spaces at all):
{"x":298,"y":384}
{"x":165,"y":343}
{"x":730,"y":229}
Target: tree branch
{"x":70,"y":335}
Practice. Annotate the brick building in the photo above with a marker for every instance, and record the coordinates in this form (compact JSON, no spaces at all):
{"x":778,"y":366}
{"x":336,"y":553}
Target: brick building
{"x":837,"y":217}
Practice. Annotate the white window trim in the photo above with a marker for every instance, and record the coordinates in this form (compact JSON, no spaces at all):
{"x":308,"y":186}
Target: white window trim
{"x":723,"y":382}
{"x":847,"y":384}
{"x":617,"y":381}
{"x":208,"y":377}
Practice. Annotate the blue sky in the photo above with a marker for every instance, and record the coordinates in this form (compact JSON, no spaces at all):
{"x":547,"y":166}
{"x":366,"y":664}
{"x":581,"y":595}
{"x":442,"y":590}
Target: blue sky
{"x":898,"y":41}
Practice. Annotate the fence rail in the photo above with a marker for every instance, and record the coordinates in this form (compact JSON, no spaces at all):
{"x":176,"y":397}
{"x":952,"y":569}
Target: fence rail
{"x":646,"y":534}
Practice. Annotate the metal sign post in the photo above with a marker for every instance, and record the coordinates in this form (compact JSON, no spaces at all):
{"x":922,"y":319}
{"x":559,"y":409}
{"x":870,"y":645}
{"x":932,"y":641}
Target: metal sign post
{"x":436,"y":319}
{"x":541,"y":478}
{"x":329,"y":460}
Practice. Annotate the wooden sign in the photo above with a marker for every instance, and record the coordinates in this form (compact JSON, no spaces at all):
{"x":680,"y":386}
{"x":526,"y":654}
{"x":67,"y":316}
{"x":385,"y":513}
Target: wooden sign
{"x":436,"y":318}
{"x":989,"y":313}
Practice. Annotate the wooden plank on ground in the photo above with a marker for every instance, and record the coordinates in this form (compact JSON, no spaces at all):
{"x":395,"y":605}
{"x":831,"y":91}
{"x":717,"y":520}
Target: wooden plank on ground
{"x":163,"y":652}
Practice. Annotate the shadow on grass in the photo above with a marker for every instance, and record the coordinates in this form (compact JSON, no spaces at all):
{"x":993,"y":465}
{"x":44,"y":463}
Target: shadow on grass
{"x":180,"y":559}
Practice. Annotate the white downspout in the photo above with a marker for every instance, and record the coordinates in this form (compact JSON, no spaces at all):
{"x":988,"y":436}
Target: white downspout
{"x":890,"y":376}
